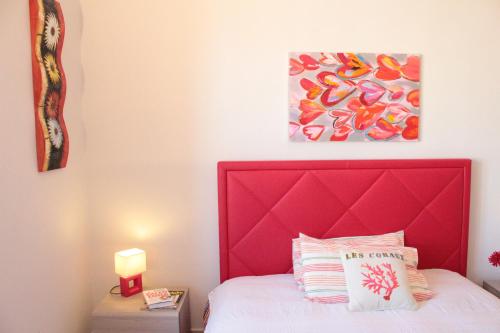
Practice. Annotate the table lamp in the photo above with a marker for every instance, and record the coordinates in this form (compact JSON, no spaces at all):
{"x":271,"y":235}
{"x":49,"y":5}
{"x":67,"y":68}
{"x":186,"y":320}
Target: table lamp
{"x":129,"y":265}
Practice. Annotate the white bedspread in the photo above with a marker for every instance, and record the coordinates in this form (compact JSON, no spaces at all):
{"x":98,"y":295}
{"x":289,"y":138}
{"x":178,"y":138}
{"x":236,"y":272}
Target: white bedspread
{"x":274,"y":304}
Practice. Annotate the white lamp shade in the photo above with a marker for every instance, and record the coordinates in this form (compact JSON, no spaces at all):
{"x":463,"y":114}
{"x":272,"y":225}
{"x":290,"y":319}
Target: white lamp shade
{"x":130,"y":262}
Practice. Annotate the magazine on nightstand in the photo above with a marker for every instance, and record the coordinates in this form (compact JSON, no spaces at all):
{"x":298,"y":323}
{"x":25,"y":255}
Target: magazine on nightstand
{"x":162,"y":298}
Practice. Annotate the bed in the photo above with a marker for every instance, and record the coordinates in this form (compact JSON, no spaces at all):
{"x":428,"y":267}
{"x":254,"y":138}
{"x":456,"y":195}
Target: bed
{"x":264,"y":205}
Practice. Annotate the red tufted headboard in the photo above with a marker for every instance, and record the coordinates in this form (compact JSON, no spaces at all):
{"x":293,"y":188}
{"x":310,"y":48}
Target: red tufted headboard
{"x":263,"y":205}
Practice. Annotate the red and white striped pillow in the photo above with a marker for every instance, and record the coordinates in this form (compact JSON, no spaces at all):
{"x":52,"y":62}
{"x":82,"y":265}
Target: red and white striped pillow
{"x":324,"y":278}
{"x":390,"y":239}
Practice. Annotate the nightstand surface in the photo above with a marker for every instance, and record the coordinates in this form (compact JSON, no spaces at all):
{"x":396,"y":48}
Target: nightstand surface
{"x":127,"y":314}
{"x":493,"y":286}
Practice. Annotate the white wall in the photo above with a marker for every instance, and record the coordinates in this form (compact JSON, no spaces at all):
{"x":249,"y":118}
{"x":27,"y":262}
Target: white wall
{"x":44,"y":280}
{"x":172,"y":87}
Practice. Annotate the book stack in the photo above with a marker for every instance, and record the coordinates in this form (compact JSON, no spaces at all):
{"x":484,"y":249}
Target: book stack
{"x":161,"y":298}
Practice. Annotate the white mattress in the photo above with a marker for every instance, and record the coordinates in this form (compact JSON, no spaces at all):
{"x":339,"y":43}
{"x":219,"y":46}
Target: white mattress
{"x":274,"y":304}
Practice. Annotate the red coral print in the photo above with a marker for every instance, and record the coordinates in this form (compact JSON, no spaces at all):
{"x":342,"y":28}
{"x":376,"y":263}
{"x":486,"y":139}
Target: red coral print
{"x":494,"y":258}
{"x":380,"y":277}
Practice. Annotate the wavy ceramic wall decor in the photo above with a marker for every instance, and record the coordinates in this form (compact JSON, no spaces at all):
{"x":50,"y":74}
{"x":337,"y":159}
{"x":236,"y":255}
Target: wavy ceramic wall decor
{"x":49,"y":83}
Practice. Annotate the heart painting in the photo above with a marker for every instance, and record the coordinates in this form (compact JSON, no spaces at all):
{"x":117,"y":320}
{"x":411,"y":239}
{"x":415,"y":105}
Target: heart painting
{"x":353,"y":96}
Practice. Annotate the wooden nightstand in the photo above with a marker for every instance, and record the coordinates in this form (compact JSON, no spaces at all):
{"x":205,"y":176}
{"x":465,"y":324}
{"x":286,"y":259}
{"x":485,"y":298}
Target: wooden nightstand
{"x":117,"y":314}
{"x":493,"y":286}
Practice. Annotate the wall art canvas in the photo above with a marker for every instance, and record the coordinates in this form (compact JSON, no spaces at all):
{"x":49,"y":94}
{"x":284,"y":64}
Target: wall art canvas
{"x":49,"y":83}
{"x":353,"y":96}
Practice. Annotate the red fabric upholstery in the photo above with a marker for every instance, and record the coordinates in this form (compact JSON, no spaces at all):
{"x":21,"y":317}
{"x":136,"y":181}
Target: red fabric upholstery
{"x":263,"y":205}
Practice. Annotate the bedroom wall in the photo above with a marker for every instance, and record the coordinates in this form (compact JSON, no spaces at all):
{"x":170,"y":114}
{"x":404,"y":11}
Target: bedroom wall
{"x":172,"y":87}
{"x":44,"y":280}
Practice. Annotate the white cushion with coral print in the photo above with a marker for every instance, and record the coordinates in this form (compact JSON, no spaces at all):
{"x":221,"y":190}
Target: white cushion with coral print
{"x":376,"y":279}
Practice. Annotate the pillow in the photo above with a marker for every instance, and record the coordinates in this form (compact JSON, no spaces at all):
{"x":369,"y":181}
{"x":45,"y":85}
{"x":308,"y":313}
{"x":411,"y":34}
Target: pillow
{"x":324,"y":278}
{"x":390,"y":239}
{"x":376,"y":279}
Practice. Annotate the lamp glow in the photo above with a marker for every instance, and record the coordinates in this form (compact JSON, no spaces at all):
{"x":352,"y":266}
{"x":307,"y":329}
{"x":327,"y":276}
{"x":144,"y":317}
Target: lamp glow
{"x":129,"y":265}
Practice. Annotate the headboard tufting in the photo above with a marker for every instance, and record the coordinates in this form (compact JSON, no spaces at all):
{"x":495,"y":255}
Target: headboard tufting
{"x":263,"y":205}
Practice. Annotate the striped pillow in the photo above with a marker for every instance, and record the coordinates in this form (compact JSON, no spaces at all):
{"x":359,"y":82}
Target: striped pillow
{"x":390,"y":239}
{"x":324,"y":278}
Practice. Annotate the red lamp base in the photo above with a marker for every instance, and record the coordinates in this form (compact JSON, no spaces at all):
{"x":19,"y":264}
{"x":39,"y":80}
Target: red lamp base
{"x":131,"y":285}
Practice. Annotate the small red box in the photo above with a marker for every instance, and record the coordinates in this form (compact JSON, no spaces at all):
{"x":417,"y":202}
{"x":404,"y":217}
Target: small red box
{"x":131,"y":285}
